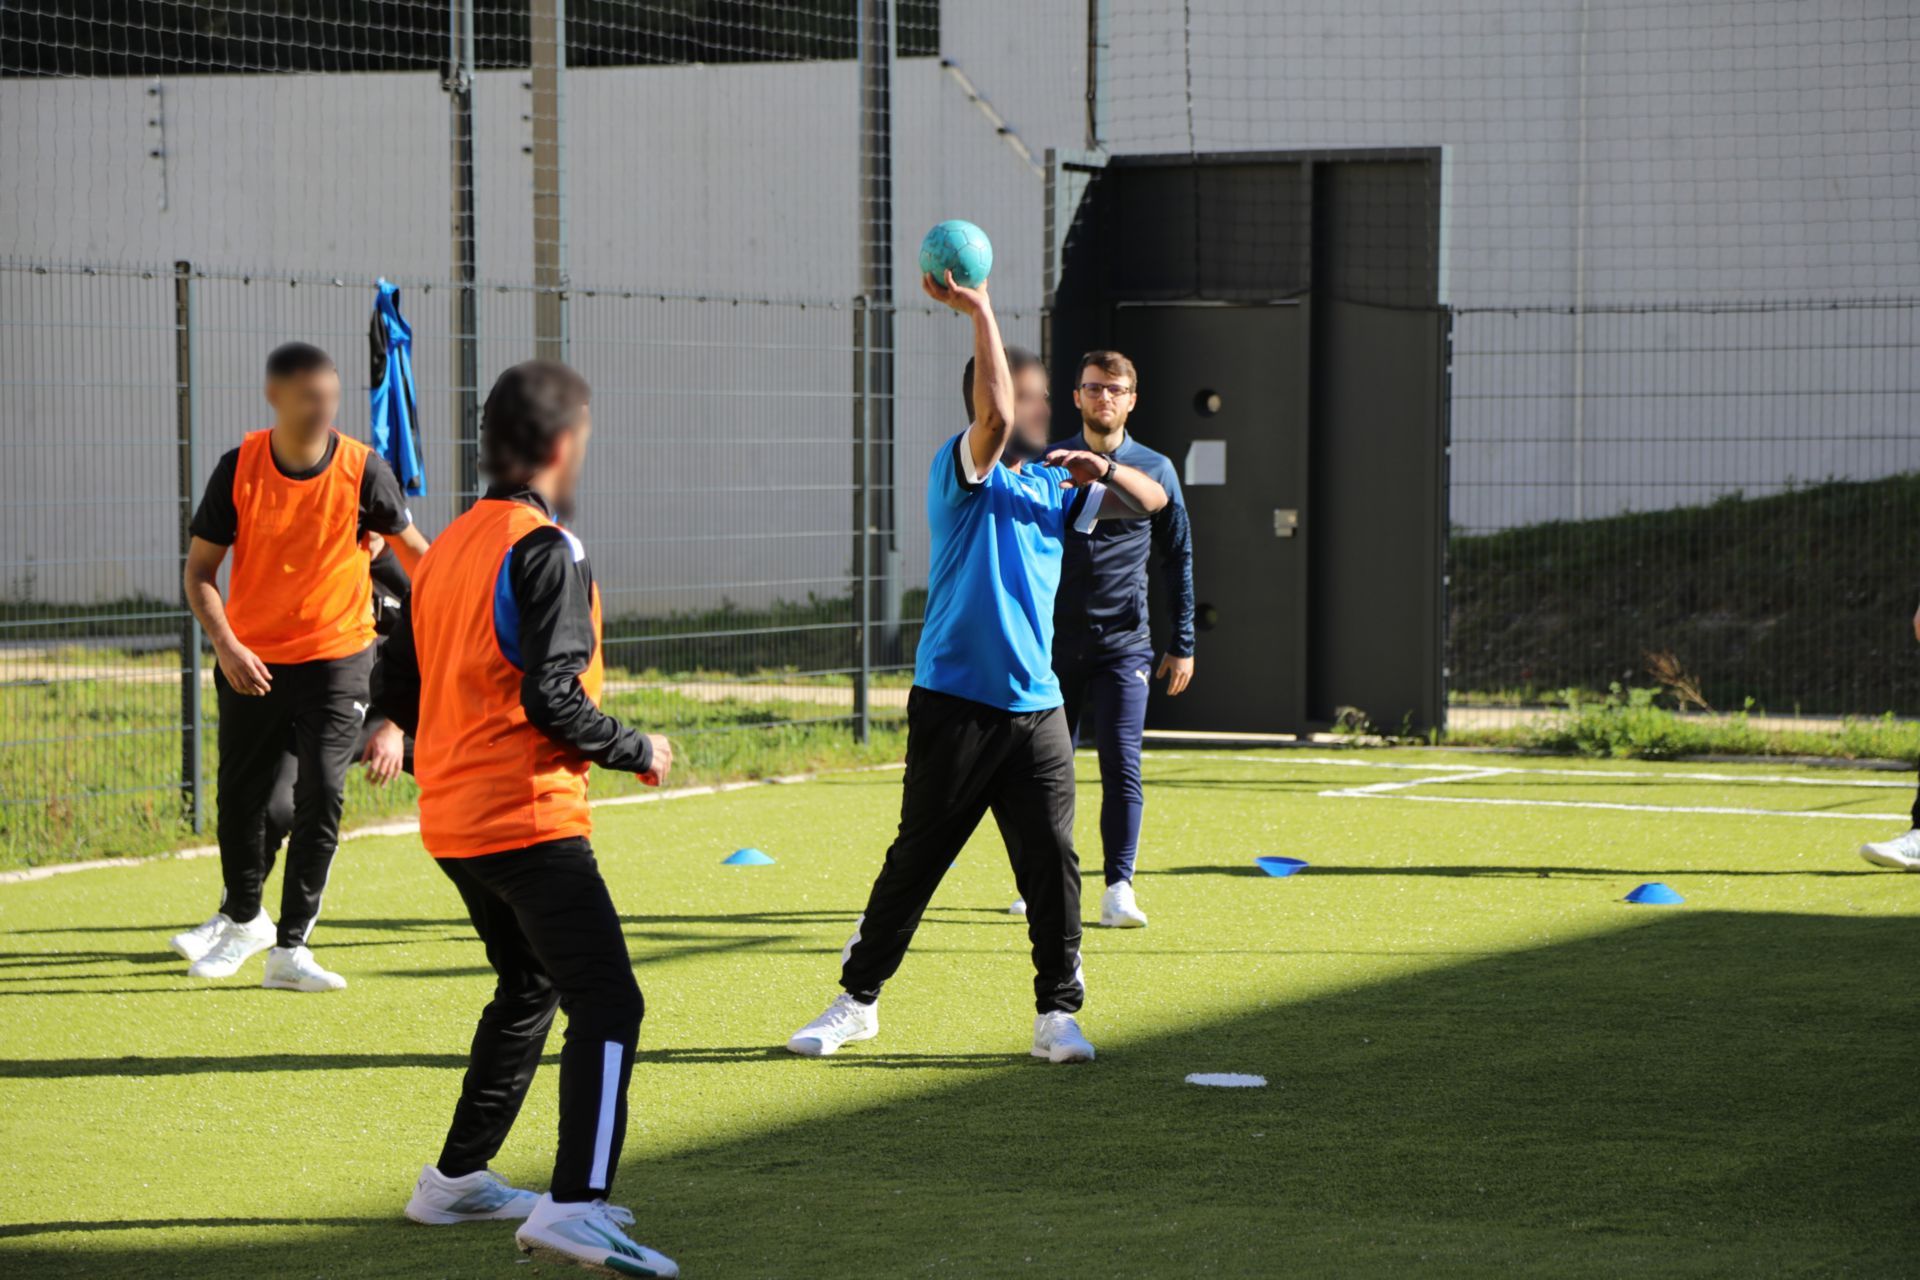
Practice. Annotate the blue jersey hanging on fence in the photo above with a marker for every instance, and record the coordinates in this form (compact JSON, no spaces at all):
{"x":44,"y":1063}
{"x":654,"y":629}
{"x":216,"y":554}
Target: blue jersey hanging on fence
{"x":396,"y":422}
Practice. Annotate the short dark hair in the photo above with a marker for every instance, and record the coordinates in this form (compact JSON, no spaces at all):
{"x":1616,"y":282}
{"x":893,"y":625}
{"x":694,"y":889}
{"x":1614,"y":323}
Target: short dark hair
{"x":1111,"y":363}
{"x":1018,"y":358}
{"x":290,"y":358}
{"x":530,"y":407}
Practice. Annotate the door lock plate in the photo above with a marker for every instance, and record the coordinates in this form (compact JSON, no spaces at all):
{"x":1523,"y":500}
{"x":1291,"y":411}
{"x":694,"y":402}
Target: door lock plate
{"x":1285,"y":521}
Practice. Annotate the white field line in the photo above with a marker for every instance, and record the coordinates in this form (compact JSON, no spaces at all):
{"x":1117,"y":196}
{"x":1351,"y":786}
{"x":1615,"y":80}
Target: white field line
{"x":411,"y":826}
{"x":1382,"y":788}
{"x":1626,"y":808}
{"x":1468,"y":773}
{"x":1786,"y":779}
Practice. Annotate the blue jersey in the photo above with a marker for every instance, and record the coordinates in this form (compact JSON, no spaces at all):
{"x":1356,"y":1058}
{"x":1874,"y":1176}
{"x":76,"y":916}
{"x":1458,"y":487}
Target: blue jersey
{"x":991,"y":578}
{"x":1102,"y":605}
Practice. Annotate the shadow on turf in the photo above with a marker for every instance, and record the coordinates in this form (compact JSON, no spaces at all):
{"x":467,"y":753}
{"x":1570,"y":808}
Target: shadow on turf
{"x":8,"y":1229}
{"x":247,"y":1064}
{"x":1697,"y":1091}
{"x":1538,"y":873}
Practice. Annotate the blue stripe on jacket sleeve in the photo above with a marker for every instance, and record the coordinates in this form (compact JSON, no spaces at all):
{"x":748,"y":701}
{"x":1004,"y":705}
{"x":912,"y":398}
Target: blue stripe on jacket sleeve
{"x":506,"y":613}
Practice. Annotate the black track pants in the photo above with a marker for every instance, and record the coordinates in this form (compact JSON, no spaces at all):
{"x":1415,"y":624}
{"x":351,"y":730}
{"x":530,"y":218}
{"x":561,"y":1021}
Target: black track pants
{"x":320,"y":705}
{"x":965,"y":758}
{"x":553,"y":937}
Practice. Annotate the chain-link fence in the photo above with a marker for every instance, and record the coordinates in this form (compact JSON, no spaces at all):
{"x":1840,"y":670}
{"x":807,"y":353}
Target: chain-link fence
{"x":1678,"y":244}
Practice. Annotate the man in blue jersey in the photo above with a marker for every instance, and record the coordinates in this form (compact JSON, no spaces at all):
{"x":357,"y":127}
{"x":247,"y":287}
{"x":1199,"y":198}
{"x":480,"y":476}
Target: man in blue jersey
{"x":1102,"y":649}
{"x":985,"y":728}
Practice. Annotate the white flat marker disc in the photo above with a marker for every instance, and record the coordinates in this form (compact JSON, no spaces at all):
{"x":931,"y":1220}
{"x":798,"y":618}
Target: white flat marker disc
{"x":1227,"y":1080}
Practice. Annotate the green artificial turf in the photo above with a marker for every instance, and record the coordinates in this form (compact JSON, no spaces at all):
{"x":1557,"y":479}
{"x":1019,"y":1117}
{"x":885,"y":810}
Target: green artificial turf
{"x":1480,"y":1060}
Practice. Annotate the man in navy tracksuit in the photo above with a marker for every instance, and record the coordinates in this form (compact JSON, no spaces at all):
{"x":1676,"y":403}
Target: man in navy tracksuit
{"x":1102,"y":650}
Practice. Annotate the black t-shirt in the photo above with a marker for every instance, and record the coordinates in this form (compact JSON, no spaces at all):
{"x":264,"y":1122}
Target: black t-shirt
{"x":383,"y":508}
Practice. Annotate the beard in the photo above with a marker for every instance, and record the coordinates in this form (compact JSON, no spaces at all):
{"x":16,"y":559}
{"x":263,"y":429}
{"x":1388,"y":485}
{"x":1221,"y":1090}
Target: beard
{"x":1019,"y":449}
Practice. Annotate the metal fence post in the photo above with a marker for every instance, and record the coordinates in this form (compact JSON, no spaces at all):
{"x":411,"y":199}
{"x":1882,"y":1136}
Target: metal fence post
{"x":863,"y":523}
{"x":876,"y":46}
{"x":466,"y":304}
{"x":549,"y":179}
{"x":192,"y":721}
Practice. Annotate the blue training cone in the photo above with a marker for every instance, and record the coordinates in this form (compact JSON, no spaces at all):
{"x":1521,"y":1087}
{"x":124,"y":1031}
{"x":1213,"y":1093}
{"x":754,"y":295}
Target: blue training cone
{"x":747,"y":858}
{"x":1274,"y":865}
{"x":1655,"y":894}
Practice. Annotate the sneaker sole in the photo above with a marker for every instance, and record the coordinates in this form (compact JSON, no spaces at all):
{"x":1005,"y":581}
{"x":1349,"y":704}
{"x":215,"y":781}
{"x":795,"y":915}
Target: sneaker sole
{"x":820,"y":1050}
{"x":271,"y":985}
{"x":1047,"y":1054}
{"x":442,"y":1218}
{"x":1121,"y":922}
{"x":1891,"y":861}
{"x":226,"y":973}
{"x":613,"y":1266}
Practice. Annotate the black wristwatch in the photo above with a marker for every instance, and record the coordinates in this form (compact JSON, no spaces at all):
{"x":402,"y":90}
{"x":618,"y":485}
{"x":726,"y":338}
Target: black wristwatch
{"x":1112,"y":466}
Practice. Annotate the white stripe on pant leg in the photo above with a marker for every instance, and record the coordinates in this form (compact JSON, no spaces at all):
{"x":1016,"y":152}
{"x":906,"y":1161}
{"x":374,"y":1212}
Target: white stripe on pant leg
{"x":846,"y":952}
{"x":609,"y":1105}
{"x":318,"y":902}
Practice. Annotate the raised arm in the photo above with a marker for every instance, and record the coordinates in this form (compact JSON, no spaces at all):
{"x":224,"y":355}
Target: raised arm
{"x":992,"y":381}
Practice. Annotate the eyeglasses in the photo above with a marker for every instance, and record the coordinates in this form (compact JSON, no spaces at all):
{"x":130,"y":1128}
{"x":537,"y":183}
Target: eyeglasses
{"x":1113,"y":390}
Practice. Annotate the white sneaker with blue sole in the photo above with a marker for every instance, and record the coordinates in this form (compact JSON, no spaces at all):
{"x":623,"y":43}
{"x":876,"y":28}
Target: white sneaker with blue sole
{"x":480,"y":1196}
{"x":590,"y":1234}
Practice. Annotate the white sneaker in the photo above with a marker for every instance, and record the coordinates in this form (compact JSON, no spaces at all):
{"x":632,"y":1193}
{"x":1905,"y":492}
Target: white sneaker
{"x":1901,"y":853}
{"x":1019,"y":907}
{"x":480,"y":1196}
{"x":295,"y":969}
{"x":1118,"y":910}
{"x":589,"y":1235}
{"x":236,"y":943}
{"x":845,"y":1021}
{"x":1057,"y":1038}
{"x":199,"y":940}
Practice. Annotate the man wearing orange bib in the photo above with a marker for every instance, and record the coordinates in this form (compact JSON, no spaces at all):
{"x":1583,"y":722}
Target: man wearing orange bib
{"x":496,"y":669}
{"x":294,"y":639}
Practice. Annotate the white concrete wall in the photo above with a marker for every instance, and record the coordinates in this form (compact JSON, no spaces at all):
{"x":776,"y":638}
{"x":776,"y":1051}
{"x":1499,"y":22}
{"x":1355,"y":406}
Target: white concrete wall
{"x":1734,"y":152}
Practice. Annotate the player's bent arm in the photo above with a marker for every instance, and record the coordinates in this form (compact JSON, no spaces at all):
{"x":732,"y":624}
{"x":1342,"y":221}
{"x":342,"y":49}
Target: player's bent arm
{"x":1139,"y":494}
{"x":1131,"y":494}
{"x":200,"y":580}
{"x":553,"y":588}
{"x":408,"y":546}
{"x":396,"y":676}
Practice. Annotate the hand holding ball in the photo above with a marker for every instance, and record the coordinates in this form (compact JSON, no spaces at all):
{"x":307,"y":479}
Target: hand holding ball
{"x":960,"y":247}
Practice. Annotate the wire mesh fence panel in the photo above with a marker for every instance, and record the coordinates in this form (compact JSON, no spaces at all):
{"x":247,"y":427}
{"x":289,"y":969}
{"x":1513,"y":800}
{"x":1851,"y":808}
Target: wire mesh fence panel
{"x":1674,"y":247}
{"x":91,"y":622}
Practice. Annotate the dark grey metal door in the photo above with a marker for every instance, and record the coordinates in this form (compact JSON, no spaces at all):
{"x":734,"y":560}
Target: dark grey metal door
{"x":1223,"y":392}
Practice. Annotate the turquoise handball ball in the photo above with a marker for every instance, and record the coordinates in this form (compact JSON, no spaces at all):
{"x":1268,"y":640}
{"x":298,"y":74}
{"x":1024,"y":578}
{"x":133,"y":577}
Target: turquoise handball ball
{"x":960,"y":247}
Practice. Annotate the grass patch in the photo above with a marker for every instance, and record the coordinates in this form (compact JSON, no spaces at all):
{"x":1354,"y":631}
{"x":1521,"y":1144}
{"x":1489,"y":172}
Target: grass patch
{"x":1480,"y":1061}
{"x":1630,"y":724}
{"x":1800,"y":601}
{"x":94,"y":770}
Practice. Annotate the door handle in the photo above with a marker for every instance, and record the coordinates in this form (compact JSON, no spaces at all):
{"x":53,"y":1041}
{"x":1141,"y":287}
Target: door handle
{"x":1285,"y":521}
